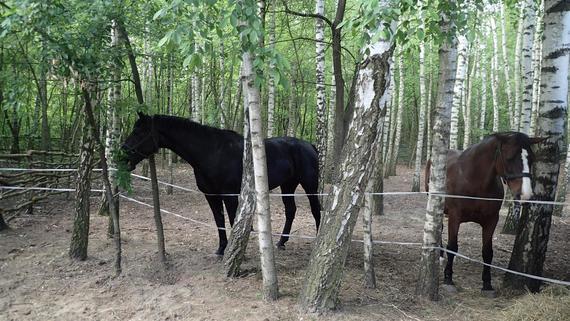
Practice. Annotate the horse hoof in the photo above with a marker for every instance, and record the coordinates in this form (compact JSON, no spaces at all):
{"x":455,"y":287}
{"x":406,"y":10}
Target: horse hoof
{"x":491,"y":294}
{"x":219,"y":252}
{"x":280,"y":247}
{"x":450,"y":288}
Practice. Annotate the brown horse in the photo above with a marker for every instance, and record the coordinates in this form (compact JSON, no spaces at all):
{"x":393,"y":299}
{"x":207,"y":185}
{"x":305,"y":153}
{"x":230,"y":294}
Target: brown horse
{"x":478,"y":172}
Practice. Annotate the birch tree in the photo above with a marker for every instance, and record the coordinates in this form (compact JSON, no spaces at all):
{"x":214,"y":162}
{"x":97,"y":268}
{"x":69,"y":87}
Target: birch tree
{"x":527,"y":71}
{"x":428,"y":284}
{"x":536,"y":65}
{"x":518,"y":53}
{"x":325,"y":270}
{"x":271,"y":85}
{"x":529,"y":249}
{"x":495,"y":77}
{"x":458,"y":90}
{"x":270,"y":286}
{"x":399,"y":115}
{"x":422,"y":112}
{"x":505,"y":55}
{"x":320,"y":89}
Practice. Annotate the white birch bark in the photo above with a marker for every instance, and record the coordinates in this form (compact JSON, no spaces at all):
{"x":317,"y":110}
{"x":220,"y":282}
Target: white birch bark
{"x":330,"y":129}
{"x":223,"y":86}
{"x":386,"y":119}
{"x":428,"y":116}
{"x":271,"y":85}
{"x":458,"y":90}
{"x":495,"y":77}
{"x":527,"y":72}
{"x":325,"y":270}
{"x":536,"y":66}
{"x":518,"y":53}
{"x":468,"y":97}
{"x":428,"y":284}
{"x":531,"y":243}
{"x":421,"y":122}
{"x":320,"y":90}
{"x":505,"y":56}
{"x":399,"y":116}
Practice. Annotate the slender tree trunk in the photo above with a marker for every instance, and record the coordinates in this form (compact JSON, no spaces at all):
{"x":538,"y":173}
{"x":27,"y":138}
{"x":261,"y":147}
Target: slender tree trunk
{"x":169,"y":111}
{"x":392,"y":121}
{"x":330,"y":131}
{"x":235,"y":252}
{"x":399,"y":116}
{"x":495,"y":77}
{"x":428,"y":116}
{"x":458,"y":90}
{"x":527,"y":71}
{"x":536,"y":66}
{"x":292,"y":124}
{"x":482,"y":119}
{"x":468,"y":95}
{"x":321,"y":95}
{"x":325,"y":270}
{"x":421,"y":119}
{"x":80,"y":234}
{"x":271,"y":86}
{"x":113,"y":124}
{"x":339,"y":130}
{"x":507,"y":84}
{"x":270,"y":286}
{"x":428,"y":284}
{"x":517,"y":76}
{"x":43,"y":92}
{"x":530,"y":246}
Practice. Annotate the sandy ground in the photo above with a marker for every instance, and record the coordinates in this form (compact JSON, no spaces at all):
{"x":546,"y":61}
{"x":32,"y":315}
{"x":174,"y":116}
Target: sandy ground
{"x":39,"y":282}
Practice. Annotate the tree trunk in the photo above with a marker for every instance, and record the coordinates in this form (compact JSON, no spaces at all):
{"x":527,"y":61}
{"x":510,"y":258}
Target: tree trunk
{"x":517,"y":76}
{"x":325,"y":270}
{"x":113,"y":124}
{"x":292,"y":124}
{"x":495,"y":77}
{"x":428,"y":284}
{"x":320,"y":90}
{"x":80,"y":234}
{"x":530,"y":245}
{"x":421,"y":121}
{"x":507,"y":83}
{"x":270,"y":286}
{"x":330,"y":132}
{"x":271,"y":85}
{"x":43,"y":92}
{"x":339,"y":131}
{"x":170,"y":96}
{"x":235,"y":251}
{"x":483,"y":115}
{"x":458,"y":90}
{"x":536,"y":66}
{"x":468,"y":98}
{"x":527,"y":71}
{"x":399,"y":116}
{"x":392,"y":121}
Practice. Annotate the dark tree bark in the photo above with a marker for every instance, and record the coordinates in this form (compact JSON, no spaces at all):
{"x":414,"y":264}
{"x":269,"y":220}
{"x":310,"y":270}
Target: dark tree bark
{"x":80,"y":235}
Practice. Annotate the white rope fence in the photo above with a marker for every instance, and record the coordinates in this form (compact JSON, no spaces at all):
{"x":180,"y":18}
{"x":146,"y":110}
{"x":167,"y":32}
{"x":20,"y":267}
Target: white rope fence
{"x":306,"y":194}
{"x":549,"y":280}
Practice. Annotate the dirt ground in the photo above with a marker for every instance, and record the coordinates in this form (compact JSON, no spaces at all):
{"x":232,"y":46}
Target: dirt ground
{"x":39,"y":282}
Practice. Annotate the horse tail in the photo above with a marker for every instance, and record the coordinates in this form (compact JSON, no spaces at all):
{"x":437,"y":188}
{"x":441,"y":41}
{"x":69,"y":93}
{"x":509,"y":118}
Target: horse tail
{"x":427,"y":173}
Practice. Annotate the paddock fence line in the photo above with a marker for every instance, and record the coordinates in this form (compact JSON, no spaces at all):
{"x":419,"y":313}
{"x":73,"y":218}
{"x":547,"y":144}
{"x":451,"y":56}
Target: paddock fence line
{"x":549,"y":280}
{"x":314,"y":194}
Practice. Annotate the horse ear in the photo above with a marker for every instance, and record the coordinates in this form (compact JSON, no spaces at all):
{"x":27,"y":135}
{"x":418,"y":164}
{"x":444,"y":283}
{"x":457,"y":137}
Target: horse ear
{"x":537,"y":140}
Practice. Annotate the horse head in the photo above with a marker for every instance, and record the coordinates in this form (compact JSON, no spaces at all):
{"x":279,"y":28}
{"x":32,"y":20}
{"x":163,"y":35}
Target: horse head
{"x":141,"y":142}
{"x":514,"y":158}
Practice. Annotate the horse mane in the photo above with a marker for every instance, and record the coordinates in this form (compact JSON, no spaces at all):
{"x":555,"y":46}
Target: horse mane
{"x":180,"y":122}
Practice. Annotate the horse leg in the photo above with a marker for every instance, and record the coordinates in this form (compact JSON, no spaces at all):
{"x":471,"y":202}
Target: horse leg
{"x":452,"y":231}
{"x":231,"y":203}
{"x":487,"y":237}
{"x":216,"y":206}
{"x":310,"y":185}
{"x":290,"y":209}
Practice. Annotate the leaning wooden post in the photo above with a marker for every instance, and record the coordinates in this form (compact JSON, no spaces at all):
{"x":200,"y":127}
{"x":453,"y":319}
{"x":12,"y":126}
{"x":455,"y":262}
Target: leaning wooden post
{"x":156,"y":203}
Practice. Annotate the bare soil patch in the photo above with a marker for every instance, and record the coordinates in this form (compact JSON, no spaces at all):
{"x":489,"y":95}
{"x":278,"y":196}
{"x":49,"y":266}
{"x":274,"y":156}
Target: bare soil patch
{"x":39,"y":282}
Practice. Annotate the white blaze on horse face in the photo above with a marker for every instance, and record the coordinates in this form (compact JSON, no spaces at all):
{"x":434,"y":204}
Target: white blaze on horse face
{"x":526,"y":189}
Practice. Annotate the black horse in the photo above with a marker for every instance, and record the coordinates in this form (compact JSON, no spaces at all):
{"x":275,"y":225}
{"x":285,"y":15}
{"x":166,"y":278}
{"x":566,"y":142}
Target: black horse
{"x":216,"y":157}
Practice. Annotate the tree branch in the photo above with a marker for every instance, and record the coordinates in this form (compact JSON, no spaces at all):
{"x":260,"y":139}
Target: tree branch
{"x":306,"y":15}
